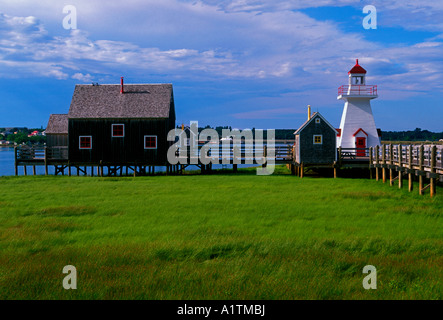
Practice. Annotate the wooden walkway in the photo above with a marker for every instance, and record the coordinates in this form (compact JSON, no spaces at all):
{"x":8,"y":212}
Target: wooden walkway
{"x":26,"y":156}
{"x":424,"y":161}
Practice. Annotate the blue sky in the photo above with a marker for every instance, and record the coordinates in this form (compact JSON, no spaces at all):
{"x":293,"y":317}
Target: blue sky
{"x":242,"y":63}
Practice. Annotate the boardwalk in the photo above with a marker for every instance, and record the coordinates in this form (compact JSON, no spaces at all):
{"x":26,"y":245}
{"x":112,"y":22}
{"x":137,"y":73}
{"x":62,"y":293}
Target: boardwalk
{"x":422,"y":161}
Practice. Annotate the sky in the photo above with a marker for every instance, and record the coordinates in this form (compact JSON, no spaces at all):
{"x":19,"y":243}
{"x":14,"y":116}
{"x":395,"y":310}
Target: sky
{"x":240,"y":63}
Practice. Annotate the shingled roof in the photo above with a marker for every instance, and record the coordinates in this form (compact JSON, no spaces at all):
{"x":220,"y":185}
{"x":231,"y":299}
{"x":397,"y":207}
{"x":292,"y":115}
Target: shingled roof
{"x":312,"y":118}
{"x":106,"y":101}
{"x":57,"y":124}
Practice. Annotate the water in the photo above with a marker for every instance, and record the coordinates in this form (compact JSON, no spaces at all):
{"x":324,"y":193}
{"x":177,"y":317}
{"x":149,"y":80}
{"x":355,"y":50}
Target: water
{"x":6,"y":161}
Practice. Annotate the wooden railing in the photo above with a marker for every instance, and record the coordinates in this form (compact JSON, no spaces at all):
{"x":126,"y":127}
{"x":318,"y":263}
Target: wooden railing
{"x":242,"y":153}
{"x":57,"y":153}
{"x":425,"y":156}
{"x":424,"y":161}
{"x":40,"y":153}
{"x":352,"y":153}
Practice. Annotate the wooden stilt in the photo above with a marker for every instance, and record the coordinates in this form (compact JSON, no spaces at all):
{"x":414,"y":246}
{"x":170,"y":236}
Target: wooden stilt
{"x":411,"y":176}
{"x":432,"y":178}
{"x":15,"y":161}
{"x":420,"y":165}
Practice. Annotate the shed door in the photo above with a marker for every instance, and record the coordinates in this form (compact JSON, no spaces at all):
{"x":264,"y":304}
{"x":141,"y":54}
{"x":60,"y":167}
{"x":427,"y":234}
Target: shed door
{"x":361,"y":143}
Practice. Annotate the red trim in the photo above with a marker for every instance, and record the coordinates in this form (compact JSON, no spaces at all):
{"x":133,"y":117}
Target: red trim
{"x":356,"y":132}
{"x":338,"y":132}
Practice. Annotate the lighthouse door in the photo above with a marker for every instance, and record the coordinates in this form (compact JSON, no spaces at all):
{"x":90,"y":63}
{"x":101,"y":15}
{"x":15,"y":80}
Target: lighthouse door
{"x":360,"y":144}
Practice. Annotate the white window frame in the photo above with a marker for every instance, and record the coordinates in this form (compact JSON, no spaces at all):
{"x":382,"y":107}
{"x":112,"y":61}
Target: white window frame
{"x":317,"y":135}
{"x":317,"y":120}
{"x":112,"y":130}
{"x":79,"y":142}
{"x":144,"y":142}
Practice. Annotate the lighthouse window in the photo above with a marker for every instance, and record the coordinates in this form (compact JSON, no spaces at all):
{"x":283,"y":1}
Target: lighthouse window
{"x":358,"y":80}
{"x":318,"y":139}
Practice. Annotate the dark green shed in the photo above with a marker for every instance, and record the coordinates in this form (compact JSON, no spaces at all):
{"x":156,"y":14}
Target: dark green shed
{"x":316,"y":141}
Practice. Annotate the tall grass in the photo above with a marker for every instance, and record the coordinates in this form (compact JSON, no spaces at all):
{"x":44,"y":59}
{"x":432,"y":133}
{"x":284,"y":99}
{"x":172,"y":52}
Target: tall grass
{"x":217,"y":237}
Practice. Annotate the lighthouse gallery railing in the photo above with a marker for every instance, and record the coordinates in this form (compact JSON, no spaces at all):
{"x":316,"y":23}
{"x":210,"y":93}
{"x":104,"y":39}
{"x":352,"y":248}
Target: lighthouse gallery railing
{"x":358,"y":90}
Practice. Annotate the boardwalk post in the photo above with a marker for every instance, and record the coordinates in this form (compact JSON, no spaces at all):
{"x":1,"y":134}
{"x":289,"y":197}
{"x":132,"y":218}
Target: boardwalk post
{"x":46,"y":161}
{"x":377,"y":152}
{"x":335,"y":169}
{"x":15,"y":161}
{"x":391,"y":162}
{"x":370,"y":163}
{"x":411,"y":182}
{"x":433,"y":162}
{"x":400,"y":167}
{"x":383,"y":157}
{"x":339,"y":156}
{"x":420,"y":165}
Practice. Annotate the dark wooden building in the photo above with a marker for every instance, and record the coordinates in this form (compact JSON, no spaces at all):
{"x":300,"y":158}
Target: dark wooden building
{"x":315,"y":142}
{"x":120,"y":124}
{"x":57,"y":131}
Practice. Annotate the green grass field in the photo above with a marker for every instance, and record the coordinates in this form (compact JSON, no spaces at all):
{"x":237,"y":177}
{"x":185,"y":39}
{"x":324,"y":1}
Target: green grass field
{"x":220,"y":236}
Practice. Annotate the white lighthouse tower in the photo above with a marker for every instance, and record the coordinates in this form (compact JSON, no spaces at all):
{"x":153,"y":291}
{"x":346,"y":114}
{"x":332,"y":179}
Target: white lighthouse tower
{"x":357,"y":126}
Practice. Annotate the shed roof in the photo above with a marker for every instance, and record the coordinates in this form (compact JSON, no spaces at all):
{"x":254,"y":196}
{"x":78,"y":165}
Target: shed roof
{"x":106,"y":101}
{"x":57,"y":124}
{"x":314,"y":115}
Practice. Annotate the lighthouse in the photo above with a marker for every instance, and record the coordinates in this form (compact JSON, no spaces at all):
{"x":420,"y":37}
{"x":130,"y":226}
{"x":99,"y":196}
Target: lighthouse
{"x":357,"y":126}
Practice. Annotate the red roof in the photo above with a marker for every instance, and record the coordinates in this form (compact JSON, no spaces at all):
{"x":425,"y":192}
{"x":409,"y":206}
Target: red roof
{"x":356,"y":132}
{"x":338,"y":132}
{"x":357,"y":69}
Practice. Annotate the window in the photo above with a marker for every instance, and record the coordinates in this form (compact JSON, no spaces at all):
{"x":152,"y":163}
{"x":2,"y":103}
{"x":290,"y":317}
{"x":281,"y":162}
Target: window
{"x":317,"y":120}
{"x":150,"y":142}
{"x":85,"y":142}
{"x":318,"y":139}
{"x":118,"y":130}
{"x":357,"y":80}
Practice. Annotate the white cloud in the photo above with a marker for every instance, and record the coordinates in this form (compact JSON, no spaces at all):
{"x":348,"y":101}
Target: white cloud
{"x":82,"y":77}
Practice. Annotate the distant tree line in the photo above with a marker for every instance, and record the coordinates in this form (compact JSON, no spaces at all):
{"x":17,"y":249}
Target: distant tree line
{"x":20,"y":135}
{"x":416,"y":135}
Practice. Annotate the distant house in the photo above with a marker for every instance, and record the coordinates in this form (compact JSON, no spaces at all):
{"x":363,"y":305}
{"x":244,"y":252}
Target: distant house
{"x":116,"y":124}
{"x":315,"y":141}
{"x":34,"y":133}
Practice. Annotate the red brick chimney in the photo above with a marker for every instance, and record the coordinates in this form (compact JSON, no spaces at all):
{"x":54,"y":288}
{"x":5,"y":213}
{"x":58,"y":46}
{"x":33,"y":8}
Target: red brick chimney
{"x":121,"y":86}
